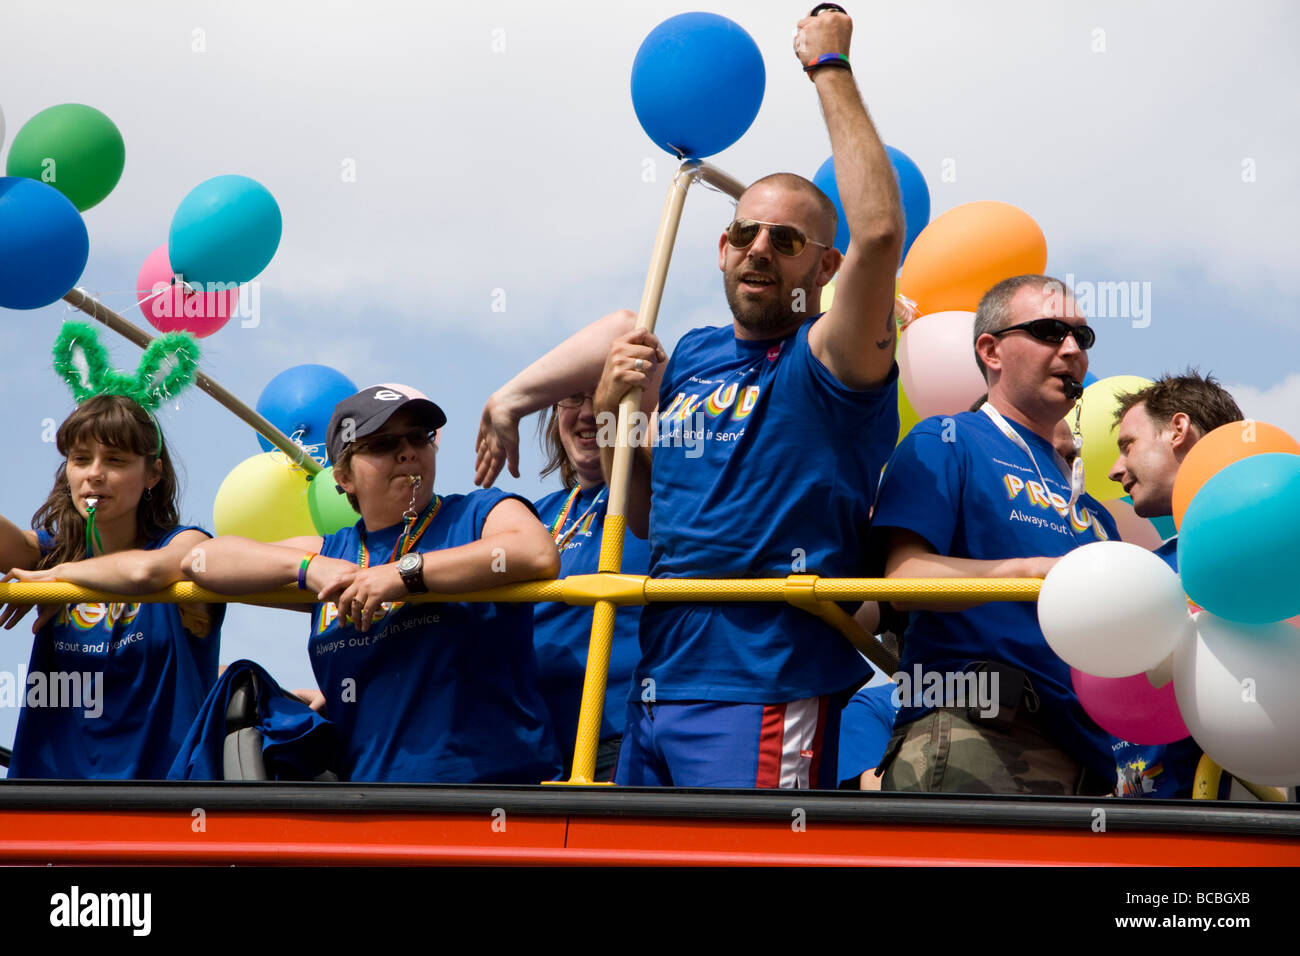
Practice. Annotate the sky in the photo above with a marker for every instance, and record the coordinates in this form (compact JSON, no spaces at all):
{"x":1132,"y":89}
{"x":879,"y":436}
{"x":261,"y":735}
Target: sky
{"x":463,"y":186}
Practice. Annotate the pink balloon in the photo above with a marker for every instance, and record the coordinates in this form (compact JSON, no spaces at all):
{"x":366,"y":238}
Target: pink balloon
{"x":179,"y":309}
{"x":1130,"y":708}
{"x":1132,"y":528}
{"x":936,"y":364}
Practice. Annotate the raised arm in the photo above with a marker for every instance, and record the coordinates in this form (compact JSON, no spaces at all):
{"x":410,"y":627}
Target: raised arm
{"x":570,"y":368}
{"x":514,"y":546}
{"x":855,"y":340}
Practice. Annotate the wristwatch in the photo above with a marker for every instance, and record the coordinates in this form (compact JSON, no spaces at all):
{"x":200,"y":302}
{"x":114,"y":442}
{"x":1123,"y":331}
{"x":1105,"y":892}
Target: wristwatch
{"x":411,"y":568}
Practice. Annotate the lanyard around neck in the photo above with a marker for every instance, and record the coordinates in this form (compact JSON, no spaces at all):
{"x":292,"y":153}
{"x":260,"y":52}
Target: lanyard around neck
{"x":406,"y":541}
{"x":1076,"y":470}
{"x":562,"y":539}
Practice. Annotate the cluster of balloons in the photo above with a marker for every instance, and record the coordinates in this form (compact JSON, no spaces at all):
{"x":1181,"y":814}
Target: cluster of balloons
{"x":67,"y":159}
{"x":1223,"y":672}
{"x":267,"y":497}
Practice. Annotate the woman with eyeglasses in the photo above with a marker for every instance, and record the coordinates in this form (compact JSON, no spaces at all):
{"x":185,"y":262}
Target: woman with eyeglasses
{"x":575,"y":517}
{"x":420,"y":692}
{"x":112,"y":688}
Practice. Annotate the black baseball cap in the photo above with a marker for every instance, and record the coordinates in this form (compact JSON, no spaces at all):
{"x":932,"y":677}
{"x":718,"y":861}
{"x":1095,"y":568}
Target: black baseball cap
{"x":370,"y":408}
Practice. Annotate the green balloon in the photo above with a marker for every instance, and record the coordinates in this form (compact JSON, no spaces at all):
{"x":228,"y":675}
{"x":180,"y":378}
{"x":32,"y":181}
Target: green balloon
{"x":329,"y":508}
{"x":74,"y":148}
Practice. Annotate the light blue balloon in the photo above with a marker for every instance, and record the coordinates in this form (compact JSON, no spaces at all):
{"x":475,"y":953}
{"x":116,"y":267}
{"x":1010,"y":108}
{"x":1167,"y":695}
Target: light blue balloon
{"x":913,"y":193}
{"x":1088,"y":379}
{"x":43,"y":243}
{"x":1239,"y":542}
{"x":301,"y":400}
{"x":226,"y":230}
{"x":697,"y":84}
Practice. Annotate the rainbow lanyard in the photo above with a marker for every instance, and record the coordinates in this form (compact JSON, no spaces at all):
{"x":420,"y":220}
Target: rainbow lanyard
{"x":562,"y":540}
{"x":407,"y":541}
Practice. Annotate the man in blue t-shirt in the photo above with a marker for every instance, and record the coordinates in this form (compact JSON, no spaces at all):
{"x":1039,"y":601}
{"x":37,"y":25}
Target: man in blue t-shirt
{"x":1158,"y":425}
{"x":987,"y":707}
{"x":770,"y":437}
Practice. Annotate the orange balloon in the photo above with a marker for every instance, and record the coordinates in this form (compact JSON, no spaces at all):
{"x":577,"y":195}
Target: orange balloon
{"x":1220,"y":448}
{"x":965,"y":252}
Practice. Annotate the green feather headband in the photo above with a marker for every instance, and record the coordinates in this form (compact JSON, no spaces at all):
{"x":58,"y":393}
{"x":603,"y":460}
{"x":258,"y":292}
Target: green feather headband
{"x":168,"y":365}
{"x":82,"y":362}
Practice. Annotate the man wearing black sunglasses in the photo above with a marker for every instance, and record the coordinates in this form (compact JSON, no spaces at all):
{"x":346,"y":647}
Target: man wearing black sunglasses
{"x":771,"y":435}
{"x":986,"y":494}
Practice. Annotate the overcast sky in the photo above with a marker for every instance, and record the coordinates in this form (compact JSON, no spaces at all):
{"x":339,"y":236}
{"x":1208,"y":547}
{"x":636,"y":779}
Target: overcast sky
{"x":496,"y":148}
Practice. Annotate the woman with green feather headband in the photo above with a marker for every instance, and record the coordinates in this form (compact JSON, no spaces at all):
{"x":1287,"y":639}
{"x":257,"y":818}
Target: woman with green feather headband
{"x":112,"y":688}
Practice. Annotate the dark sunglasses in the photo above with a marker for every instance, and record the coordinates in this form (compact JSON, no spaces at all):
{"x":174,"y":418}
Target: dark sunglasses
{"x":389,"y":442}
{"x":1054,"y":331}
{"x":787,"y":240}
{"x":575,"y":401}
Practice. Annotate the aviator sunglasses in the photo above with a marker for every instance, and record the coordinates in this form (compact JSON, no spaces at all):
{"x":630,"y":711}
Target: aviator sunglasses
{"x":787,"y":240}
{"x":1054,"y":331}
{"x":389,"y":442}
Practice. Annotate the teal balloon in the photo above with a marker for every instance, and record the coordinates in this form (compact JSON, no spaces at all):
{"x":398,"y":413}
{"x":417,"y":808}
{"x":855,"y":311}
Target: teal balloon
{"x":43,"y":244}
{"x":1239,"y":542}
{"x":226,"y":230}
{"x":697,"y":84}
{"x":330,"y":511}
{"x":74,"y":148}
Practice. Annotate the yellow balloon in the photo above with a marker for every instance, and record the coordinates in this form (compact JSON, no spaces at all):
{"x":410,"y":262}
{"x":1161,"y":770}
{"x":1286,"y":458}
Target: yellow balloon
{"x":1100,"y":435}
{"x":264,"y":498}
{"x":828,"y":295}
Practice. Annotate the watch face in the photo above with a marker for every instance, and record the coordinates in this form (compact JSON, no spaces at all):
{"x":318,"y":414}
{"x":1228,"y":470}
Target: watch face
{"x":409,"y":562}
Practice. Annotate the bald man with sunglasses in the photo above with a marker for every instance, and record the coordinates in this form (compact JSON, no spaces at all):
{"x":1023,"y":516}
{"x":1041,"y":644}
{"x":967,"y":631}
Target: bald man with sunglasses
{"x":771,"y":433}
{"x":987,"y":707}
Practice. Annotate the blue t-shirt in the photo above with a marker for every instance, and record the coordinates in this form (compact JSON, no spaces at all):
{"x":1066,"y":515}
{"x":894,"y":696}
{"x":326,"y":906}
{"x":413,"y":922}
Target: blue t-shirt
{"x":1161,"y":770}
{"x":443,"y":693}
{"x":765,"y":466}
{"x":112,"y":689}
{"x":970,"y":492}
{"x":865,"y":728}
{"x":562,"y":632}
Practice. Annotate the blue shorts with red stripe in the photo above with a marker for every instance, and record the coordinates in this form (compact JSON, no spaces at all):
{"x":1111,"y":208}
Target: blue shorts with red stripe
{"x":719,"y":744}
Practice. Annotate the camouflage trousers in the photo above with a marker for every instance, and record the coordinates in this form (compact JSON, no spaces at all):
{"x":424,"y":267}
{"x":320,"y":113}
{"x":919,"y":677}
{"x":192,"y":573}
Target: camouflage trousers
{"x":946,"y":752}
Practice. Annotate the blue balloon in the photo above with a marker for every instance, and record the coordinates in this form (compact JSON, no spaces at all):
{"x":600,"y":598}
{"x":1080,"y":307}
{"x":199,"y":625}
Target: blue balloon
{"x":43,"y":243}
{"x":913,"y":193}
{"x":1088,"y":379}
{"x":299,"y":401}
{"x":226,"y":230}
{"x":1239,"y":541}
{"x":697,"y":84}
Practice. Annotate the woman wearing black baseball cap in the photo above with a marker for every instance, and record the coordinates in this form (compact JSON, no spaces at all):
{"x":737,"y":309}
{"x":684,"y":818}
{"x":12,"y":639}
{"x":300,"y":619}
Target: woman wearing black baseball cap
{"x":420,"y":692}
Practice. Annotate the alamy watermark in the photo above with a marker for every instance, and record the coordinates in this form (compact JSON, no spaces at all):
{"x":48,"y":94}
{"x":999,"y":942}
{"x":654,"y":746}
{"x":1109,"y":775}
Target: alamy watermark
{"x":971,"y":690}
{"x":83,"y":690}
{"x":690,"y":434}
{"x":1126,"y":299}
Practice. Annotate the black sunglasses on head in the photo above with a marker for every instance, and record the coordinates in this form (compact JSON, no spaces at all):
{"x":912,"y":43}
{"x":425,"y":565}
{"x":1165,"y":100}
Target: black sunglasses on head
{"x":1054,"y":331}
{"x":388,"y":442}
{"x":786,"y":240}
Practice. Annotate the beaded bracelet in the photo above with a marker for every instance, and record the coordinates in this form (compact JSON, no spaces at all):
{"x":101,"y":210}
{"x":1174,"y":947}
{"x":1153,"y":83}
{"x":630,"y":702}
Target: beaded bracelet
{"x":302,"y":570}
{"x":828,"y":59}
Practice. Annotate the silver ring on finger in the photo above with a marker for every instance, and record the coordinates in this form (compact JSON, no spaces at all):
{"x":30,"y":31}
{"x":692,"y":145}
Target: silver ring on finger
{"x":639,"y":365}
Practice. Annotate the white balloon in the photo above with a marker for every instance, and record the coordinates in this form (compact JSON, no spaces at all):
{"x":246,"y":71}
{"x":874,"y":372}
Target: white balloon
{"x":1236,"y":689}
{"x":1112,"y":609}
{"x":2,"y":127}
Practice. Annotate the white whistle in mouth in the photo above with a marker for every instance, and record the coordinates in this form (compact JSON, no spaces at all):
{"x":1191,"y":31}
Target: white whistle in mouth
{"x":91,"y":502}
